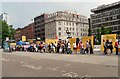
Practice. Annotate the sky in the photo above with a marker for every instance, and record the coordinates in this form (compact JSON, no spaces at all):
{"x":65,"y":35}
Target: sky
{"x":21,"y":12}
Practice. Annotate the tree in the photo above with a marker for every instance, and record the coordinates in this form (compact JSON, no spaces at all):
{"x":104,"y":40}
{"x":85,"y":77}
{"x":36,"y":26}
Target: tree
{"x":6,"y":31}
{"x":102,"y":31}
{"x":98,"y":36}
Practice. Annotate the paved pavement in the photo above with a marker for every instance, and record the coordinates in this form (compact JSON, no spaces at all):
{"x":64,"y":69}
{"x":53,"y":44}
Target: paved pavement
{"x":111,"y":60}
{"x":28,"y":64}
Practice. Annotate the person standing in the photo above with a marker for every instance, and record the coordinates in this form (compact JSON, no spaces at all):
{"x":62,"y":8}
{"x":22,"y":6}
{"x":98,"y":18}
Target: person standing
{"x":75,"y":48}
{"x":81,"y":48}
{"x":58,"y":47}
{"x":105,"y":47}
{"x":111,"y":46}
{"x":91,"y":49}
{"x":87,"y":47}
{"x":66,"y":46}
{"x":108,"y":46}
{"x":116,"y":47}
{"x":69,"y":48}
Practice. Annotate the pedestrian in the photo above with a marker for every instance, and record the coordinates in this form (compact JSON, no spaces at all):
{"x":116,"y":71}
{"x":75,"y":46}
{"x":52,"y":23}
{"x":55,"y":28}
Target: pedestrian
{"x":108,"y":46}
{"x":87,"y":47}
{"x":81,"y":48}
{"x":49,"y":48}
{"x":55,"y":46}
{"x":69,"y":48}
{"x":75,"y":48}
{"x":91,"y":48}
{"x":52,"y":48}
{"x":58,"y":47}
{"x":63,"y":47}
{"x":111,"y":46}
{"x":116,"y":47}
{"x":41,"y":47}
{"x":66,"y":46}
{"x":105,"y":47}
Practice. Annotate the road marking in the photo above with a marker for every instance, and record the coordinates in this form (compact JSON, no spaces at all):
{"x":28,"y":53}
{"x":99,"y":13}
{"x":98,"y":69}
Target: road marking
{"x":32,"y":66}
{"x":70,"y":74}
{"x":67,"y":65}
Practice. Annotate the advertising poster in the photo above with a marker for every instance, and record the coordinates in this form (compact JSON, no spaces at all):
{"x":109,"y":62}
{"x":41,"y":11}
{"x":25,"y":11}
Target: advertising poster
{"x":87,"y":38}
{"x":110,"y":37}
{"x":49,"y":41}
{"x":23,"y":38}
{"x":72,"y":40}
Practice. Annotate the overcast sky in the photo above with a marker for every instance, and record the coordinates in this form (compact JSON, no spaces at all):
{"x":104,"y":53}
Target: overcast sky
{"x":20,"y":13}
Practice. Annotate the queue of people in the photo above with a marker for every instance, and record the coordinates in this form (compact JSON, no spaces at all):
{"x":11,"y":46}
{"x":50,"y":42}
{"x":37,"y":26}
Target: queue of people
{"x":87,"y":49}
{"x":64,"y":47}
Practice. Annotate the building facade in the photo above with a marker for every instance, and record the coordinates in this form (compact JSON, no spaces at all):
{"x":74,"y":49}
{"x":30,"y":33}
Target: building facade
{"x":39,"y":27}
{"x":107,"y":16}
{"x":27,"y":31}
{"x":18,"y":34}
{"x":59,"y":22}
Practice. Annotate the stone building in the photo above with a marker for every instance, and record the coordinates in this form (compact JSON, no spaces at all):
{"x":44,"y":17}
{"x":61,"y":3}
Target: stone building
{"x":59,"y":22}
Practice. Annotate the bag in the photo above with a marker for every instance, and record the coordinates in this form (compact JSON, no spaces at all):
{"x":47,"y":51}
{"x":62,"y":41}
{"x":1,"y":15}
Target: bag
{"x":60,"y":50}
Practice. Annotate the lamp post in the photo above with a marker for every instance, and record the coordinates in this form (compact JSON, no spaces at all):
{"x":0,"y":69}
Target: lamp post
{"x":68,"y":34}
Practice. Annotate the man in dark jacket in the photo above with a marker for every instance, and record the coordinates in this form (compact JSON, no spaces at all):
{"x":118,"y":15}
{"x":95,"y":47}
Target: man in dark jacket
{"x":91,"y":49}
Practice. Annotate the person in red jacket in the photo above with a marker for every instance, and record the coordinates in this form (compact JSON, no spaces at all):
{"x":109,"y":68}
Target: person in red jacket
{"x":116,"y":47}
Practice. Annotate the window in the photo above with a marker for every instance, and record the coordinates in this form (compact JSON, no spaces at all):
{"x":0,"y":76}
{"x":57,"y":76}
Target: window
{"x":59,"y":23}
{"x":70,"y":23}
{"x":73,"y":29}
{"x":73,"y":24}
{"x":77,"y":34}
{"x":70,"y":28}
{"x":64,"y":23}
{"x":67,"y":28}
{"x":76,"y":29}
{"x":67,"y":23}
{"x":59,"y":33}
{"x":59,"y":28}
{"x":81,"y":34}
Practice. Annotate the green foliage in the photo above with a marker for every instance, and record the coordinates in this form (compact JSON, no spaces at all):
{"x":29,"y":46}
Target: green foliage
{"x":6,"y":30}
{"x":102,"y":31}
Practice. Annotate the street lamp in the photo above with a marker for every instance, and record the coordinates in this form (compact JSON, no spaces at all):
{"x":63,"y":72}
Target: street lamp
{"x":68,"y":34}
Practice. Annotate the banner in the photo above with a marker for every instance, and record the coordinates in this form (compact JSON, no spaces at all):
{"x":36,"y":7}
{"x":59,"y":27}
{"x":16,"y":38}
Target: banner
{"x":12,"y":44}
{"x":87,"y":38}
{"x":49,"y":41}
{"x":72,"y":40}
{"x":109,"y":37}
{"x":23,"y":38}
{"x":30,"y":40}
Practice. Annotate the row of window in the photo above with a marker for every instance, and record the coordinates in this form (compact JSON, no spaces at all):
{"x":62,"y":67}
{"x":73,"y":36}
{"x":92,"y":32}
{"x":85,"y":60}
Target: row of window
{"x":72,"y":33}
{"x":72,"y":29}
{"x":39,"y":30}
{"x":104,"y":14}
{"x":66,"y":14}
{"x":106,"y":19}
{"x":39,"y":35}
{"x":107,"y":24}
{"x":39,"y":22}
